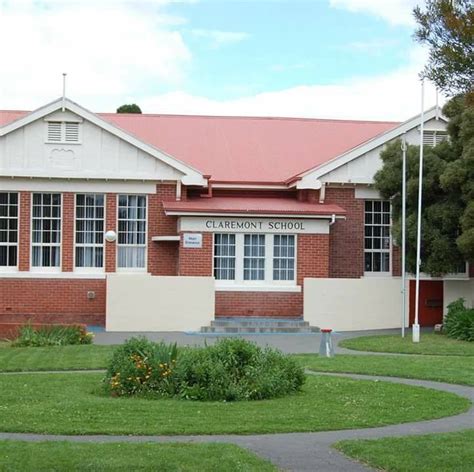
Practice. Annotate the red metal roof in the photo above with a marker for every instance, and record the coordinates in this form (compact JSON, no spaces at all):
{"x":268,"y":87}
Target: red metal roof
{"x":244,"y":149}
{"x":252,"y":205}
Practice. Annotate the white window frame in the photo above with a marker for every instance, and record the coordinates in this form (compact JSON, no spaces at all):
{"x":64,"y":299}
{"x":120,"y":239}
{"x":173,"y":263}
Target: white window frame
{"x":53,"y":269}
{"x":63,"y":125}
{"x":12,"y":268}
{"x":381,"y":251}
{"x":260,"y":285}
{"x":86,"y":245}
{"x":132,"y":269}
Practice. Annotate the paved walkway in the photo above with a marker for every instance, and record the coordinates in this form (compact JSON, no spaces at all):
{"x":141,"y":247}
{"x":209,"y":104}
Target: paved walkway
{"x":301,"y":452}
{"x":288,"y":343}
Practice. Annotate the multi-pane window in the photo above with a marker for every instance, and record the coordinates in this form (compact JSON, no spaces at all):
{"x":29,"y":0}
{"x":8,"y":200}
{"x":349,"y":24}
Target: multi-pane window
{"x":224,"y":256}
{"x":377,"y":236}
{"x":254,"y":257}
{"x":46,"y":230}
{"x":131,"y":231}
{"x":89,"y":230}
{"x":283,"y":257}
{"x":8,"y":229}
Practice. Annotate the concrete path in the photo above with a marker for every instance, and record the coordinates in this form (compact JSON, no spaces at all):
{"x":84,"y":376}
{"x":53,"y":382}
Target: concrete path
{"x":288,"y":343}
{"x":303,"y":452}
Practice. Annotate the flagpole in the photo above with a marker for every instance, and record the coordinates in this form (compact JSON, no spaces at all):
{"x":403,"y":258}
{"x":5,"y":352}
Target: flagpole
{"x":416,"y":326}
{"x":404,"y":208}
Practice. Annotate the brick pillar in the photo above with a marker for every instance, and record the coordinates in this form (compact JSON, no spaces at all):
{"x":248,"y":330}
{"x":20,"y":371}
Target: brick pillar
{"x":194,"y":261}
{"x":25,"y":232}
{"x":313,"y":256}
{"x":67,"y":236}
{"x":110,"y":225}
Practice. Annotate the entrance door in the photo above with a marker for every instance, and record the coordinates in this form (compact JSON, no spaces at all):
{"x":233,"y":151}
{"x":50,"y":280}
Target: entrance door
{"x":431,"y":302}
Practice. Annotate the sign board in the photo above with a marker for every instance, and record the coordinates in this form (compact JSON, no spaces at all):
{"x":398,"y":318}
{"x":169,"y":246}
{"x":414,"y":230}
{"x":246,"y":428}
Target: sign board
{"x":254,"y":225}
{"x":192,"y":240}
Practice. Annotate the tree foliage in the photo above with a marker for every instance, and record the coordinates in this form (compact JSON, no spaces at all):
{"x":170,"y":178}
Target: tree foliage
{"x":448,"y":194}
{"x":129,"y":108}
{"x":447,"y":27}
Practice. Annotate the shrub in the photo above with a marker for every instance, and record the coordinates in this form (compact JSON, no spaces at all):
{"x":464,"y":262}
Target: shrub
{"x":232,"y":369}
{"x":235,"y":369}
{"x":54,"y":335}
{"x":140,"y":366}
{"x":459,"y":322}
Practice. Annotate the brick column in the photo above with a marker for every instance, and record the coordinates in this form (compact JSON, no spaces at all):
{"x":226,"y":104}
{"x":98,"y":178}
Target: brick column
{"x":67,"y":236}
{"x":110,"y":225}
{"x":313,"y":256}
{"x":196,"y":262}
{"x":25,"y":232}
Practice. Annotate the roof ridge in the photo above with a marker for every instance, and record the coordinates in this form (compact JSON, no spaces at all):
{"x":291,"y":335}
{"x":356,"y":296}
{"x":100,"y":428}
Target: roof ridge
{"x":249,"y":117}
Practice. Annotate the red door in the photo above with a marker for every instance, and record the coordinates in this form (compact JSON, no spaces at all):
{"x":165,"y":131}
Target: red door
{"x":431,"y":302}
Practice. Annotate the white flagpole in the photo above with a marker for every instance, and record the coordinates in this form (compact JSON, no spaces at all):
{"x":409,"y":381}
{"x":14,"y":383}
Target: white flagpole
{"x":404,"y":209}
{"x":63,"y":102}
{"x":416,"y":326}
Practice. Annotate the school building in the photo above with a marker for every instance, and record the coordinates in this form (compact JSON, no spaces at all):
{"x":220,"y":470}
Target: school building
{"x":166,"y":222}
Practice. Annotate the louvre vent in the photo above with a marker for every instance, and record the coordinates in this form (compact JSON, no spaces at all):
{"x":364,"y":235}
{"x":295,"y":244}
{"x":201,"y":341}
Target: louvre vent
{"x":432,"y":138}
{"x":62,"y":132}
{"x":54,"y":132}
{"x":71,"y":132}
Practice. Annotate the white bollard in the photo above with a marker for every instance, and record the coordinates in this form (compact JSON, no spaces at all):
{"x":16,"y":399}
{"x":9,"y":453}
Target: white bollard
{"x":326,"y":348}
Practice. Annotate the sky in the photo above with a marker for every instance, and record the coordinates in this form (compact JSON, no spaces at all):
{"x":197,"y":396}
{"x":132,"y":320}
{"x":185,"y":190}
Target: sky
{"x":353,"y":59}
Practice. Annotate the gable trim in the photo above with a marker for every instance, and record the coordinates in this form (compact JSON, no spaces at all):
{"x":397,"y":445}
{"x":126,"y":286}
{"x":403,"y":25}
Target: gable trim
{"x":301,"y":180}
{"x":191,"y":176}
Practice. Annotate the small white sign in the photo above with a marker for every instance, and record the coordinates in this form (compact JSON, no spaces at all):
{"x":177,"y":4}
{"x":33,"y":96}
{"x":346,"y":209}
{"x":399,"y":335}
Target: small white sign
{"x":192,"y":240}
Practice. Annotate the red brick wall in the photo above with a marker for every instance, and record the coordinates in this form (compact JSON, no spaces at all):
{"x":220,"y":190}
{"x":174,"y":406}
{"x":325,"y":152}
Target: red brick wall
{"x":110,"y":225}
{"x":52,"y":300}
{"x":396,"y":261}
{"x":67,"y":232}
{"x":162,"y":256}
{"x":194,"y":261}
{"x":346,"y":242}
{"x":25,"y":232}
{"x":271,"y":304}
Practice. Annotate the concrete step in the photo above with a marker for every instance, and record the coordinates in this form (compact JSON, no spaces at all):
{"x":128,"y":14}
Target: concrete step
{"x":235,"y":329}
{"x":250,"y":325}
{"x":260,"y":322}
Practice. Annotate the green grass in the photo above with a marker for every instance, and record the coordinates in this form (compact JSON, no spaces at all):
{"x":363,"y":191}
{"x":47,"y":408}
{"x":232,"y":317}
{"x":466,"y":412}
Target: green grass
{"x":14,"y":359}
{"x":430,"y":344}
{"x":451,"y":369}
{"x":449,"y":452}
{"x":72,"y":404}
{"x":58,"y":456}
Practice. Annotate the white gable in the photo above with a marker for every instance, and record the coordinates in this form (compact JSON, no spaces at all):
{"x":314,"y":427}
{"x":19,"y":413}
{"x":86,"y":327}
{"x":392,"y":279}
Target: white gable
{"x":359,"y":165}
{"x":98,"y":151}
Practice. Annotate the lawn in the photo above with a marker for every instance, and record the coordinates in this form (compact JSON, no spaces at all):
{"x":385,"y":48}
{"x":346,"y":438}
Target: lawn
{"x":448,"y":452}
{"x":73,"y":404}
{"x":90,"y":356}
{"x":55,"y":456}
{"x":430,"y":344}
{"x":451,"y":369}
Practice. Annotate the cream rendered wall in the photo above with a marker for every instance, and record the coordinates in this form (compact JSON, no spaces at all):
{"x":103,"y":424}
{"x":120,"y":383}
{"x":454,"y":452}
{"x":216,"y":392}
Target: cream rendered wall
{"x":454,"y":289}
{"x":353,"y":304}
{"x":99,"y":154}
{"x":138,"y":302}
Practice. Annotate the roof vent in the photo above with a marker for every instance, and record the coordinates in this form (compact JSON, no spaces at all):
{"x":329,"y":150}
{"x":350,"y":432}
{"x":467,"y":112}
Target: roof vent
{"x":62,"y":132}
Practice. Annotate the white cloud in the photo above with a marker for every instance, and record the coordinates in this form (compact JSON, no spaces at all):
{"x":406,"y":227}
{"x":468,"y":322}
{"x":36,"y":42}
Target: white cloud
{"x":219,"y":38}
{"x":109,"y":50}
{"x":372,"y":47}
{"x":395,"y":12}
{"x":392,"y":96}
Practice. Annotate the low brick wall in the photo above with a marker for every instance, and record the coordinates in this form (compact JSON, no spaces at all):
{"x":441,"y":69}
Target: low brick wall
{"x":11,"y":330}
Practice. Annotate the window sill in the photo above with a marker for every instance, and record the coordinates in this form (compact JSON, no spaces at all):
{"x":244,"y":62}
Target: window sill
{"x":258,"y":288}
{"x":51,"y":275}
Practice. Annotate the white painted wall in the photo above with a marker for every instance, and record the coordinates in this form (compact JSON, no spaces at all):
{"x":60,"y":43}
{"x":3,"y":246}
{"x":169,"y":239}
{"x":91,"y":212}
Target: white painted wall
{"x":454,"y":289}
{"x":141,"y":302}
{"x":353,"y":304}
{"x":99,"y":154}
